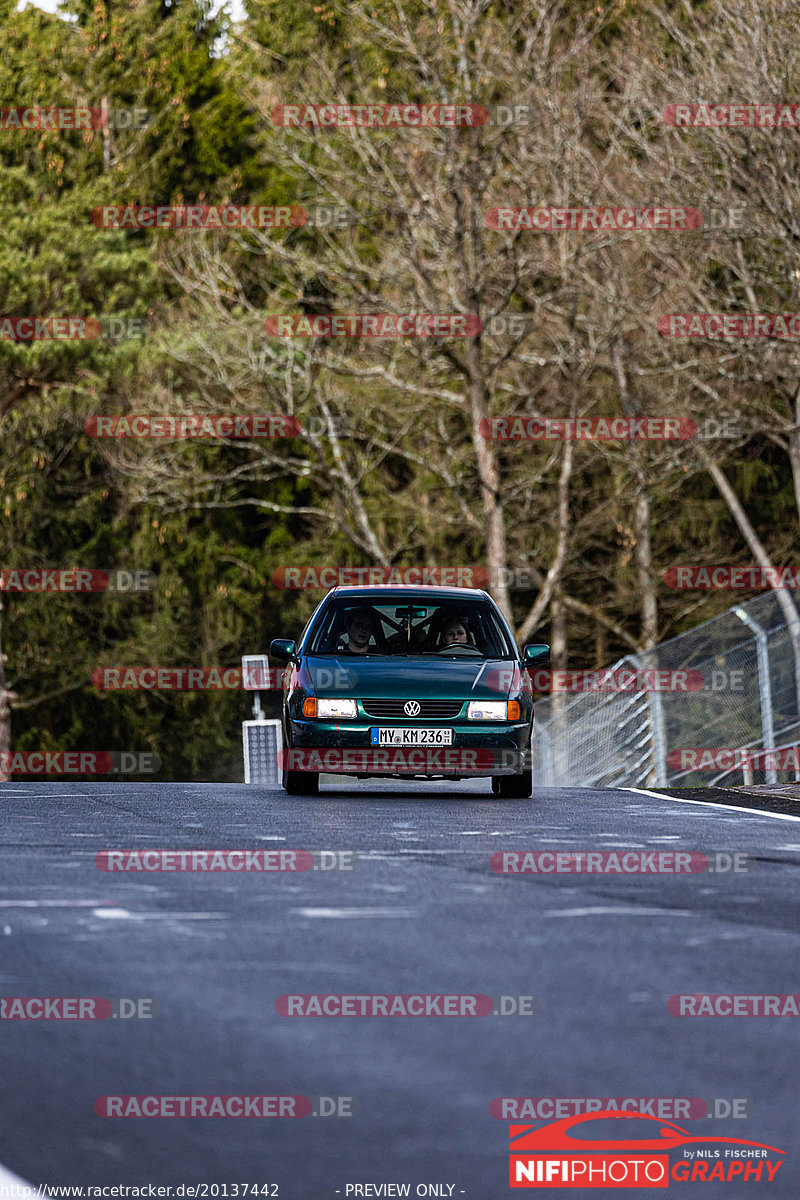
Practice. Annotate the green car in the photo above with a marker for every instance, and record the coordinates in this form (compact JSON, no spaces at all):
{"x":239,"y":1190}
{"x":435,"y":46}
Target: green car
{"x":409,"y":683}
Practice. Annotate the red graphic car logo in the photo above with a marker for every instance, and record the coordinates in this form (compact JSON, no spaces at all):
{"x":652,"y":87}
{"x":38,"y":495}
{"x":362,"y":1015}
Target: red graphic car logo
{"x":555,"y":1156}
{"x":556,"y":1136}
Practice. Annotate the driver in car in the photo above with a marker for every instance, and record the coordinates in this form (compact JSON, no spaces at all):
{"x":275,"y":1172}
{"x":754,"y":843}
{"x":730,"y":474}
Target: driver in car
{"x":455,"y":634}
{"x":358,"y":632}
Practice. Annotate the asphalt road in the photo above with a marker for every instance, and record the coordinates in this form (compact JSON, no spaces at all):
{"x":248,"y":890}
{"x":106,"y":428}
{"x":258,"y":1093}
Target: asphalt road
{"x":421,"y":912}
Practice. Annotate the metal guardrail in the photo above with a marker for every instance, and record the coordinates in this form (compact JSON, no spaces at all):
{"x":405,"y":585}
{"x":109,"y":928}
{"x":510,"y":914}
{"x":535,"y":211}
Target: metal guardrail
{"x":749,"y":658}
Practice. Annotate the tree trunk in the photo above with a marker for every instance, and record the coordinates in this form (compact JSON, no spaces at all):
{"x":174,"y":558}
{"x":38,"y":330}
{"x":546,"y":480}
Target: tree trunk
{"x":759,"y":553}
{"x":489,"y":476}
{"x":642,"y":548}
{"x":106,"y":135}
{"x":552,"y":581}
{"x":643,"y":557}
{"x":600,"y":647}
{"x":558,"y":657}
{"x":5,"y":710}
{"x":558,"y":632}
{"x":794,"y":450}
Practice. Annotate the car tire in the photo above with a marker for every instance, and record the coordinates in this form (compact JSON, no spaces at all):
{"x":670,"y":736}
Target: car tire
{"x":513,"y":787}
{"x":301,"y":783}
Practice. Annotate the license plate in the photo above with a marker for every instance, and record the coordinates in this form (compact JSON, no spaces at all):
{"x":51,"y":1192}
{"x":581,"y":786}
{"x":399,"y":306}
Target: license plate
{"x":411,"y":737}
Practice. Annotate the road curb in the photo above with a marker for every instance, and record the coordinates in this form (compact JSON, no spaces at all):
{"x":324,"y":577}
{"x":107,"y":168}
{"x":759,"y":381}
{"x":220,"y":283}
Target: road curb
{"x":757,"y":804}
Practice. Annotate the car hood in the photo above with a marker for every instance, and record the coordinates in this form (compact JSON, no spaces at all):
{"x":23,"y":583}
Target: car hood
{"x":402,"y":678}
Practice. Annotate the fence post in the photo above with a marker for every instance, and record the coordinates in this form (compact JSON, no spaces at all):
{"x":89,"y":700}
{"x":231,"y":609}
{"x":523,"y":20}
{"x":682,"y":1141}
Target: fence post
{"x":655,"y":708}
{"x":764,"y":686}
{"x":547,"y":755}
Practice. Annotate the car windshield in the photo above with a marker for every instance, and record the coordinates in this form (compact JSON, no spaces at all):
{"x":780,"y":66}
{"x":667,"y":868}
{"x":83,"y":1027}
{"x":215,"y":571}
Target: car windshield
{"x":445,"y":628}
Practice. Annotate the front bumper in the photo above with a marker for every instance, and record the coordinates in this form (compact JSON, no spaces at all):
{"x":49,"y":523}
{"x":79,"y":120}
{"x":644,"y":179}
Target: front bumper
{"x":478,"y":749}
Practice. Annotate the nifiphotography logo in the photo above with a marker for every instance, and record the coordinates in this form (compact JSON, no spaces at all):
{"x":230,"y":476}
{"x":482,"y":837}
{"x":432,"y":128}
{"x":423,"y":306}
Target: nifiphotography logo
{"x":613,"y":1149}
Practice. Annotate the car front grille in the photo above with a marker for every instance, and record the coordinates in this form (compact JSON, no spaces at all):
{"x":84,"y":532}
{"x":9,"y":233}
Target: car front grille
{"x":429,"y":710}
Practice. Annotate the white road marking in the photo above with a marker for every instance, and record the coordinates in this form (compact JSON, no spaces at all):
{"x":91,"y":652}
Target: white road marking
{"x":335,"y":913}
{"x":755,"y":812}
{"x":395,"y":851}
{"x":59,"y":795}
{"x":623,"y":845}
{"x":49,"y":903}
{"x":122,"y":914}
{"x":557,"y":841}
{"x":602,"y":910}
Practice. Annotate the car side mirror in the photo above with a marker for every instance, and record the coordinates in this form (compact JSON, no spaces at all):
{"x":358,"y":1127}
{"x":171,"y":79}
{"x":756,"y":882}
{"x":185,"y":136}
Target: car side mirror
{"x":535,"y":653}
{"x":282,"y":649}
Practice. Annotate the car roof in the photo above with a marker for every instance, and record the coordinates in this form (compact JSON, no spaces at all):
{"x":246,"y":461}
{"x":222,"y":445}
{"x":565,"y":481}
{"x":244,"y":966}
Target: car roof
{"x":394,"y":590}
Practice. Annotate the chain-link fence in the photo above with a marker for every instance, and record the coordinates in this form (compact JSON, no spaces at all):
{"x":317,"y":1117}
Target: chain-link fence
{"x":725,"y":691}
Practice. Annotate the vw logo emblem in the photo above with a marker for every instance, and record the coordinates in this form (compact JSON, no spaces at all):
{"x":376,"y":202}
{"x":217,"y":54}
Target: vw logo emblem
{"x":411,"y":708}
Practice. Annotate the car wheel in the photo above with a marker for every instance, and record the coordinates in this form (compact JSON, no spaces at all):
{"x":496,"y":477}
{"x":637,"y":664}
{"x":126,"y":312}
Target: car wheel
{"x":299,"y":783}
{"x":513,"y":787}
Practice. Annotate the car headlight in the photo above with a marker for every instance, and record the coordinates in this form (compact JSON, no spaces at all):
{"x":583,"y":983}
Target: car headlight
{"x":486,"y":710}
{"x":336,"y":708}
